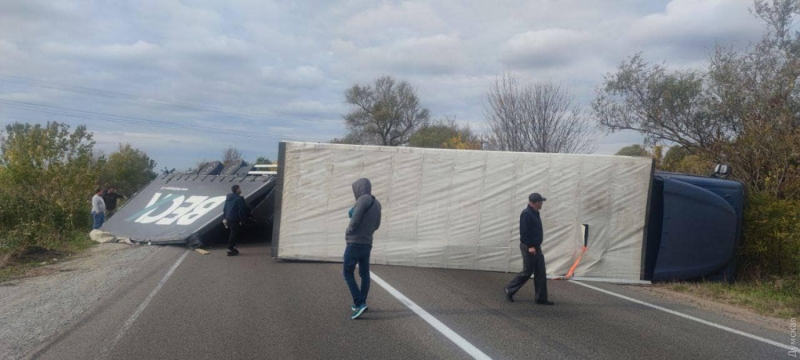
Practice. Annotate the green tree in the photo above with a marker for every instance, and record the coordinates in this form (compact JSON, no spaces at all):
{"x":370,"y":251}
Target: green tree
{"x":128,"y":170}
{"x":695,"y":165}
{"x":674,"y":156}
{"x":459,"y":142}
{"x":347,"y":139}
{"x":432,"y":136}
{"x":263,"y":161}
{"x":49,"y":175}
{"x":772,"y":247}
{"x":386,"y":113}
{"x":633,"y":150}
{"x":741,"y":110}
{"x":444,"y":134}
{"x":31,"y":149}
{"x":679,"y":159}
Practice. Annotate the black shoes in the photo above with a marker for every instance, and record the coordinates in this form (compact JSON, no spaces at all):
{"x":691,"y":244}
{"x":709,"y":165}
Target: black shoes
{"x":509,"y":297}
{"x":233,"y":252}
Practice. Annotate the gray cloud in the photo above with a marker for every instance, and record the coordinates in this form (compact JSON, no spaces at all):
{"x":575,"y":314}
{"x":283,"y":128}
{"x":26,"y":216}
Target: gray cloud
{"x":303,"y":76}
{"x":279,"y":69}
{"x":687,"y":30}
{"x":137,"y":52}
{"x":432,"y":55}
{"x":547,"y":48}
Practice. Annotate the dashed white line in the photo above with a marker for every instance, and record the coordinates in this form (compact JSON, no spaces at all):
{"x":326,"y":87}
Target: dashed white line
{"x":673,"y":312}
{"x":438,"y":325}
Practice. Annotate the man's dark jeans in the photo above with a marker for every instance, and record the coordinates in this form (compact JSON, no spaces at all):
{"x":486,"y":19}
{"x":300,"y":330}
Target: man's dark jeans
{"x":531,"y":264}
{"x":357,"y":254}
{"x":233,"y":236}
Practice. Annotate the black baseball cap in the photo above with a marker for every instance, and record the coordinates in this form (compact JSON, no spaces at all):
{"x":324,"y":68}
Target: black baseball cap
{"x":536,"y":197}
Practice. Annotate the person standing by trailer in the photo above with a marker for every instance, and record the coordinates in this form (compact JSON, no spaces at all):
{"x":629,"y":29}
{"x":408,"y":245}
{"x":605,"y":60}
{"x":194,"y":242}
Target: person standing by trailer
{"x":234,"y":213}
{"x":365,"y":218}
{"x":110,"y":197}
{"x":98,"y":209}
{"x":531,"y":235}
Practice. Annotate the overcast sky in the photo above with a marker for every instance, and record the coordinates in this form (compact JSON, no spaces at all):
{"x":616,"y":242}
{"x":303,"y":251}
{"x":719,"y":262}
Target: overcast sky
{"x":265,"y":71}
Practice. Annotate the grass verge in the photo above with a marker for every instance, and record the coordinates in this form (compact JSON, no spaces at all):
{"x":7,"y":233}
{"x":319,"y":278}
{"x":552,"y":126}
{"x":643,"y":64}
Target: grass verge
{"x":776,"y":297}
{"x":22,"y":261}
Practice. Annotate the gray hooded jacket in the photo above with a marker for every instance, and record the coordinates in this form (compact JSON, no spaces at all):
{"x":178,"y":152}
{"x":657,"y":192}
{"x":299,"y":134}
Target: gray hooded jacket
{"x":366,"y":214}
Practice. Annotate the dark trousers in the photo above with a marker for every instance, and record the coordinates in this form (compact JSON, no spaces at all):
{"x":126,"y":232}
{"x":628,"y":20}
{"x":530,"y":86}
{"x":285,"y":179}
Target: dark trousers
{"x":357,"y":254}
{"x":236,"y":229}
{"x":531,"y":264}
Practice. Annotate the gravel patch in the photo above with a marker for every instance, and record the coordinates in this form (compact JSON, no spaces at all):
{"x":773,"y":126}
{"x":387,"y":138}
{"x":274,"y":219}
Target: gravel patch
{"x":34,"y":309}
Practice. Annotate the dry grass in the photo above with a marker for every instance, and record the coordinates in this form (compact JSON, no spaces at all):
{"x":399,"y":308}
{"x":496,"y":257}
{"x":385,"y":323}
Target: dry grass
{"x":777,"y":297}
{"x":27,"y":261}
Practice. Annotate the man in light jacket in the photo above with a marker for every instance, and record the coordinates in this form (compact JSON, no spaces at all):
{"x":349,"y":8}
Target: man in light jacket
{"x":98,"y":209}
{"x":365,"y":218}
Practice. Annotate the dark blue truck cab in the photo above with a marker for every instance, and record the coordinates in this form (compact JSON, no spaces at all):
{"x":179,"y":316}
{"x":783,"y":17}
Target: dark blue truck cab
{"x":694,"y":228}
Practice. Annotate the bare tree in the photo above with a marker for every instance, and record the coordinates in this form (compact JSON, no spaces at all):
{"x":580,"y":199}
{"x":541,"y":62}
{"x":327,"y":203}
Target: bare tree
{"x":542,"y":117}
{"x":386,"y":112}
{"x":231,"y":154}
{"x":662,"y":105}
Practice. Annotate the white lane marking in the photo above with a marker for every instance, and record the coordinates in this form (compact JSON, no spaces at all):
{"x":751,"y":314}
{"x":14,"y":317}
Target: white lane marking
{"x":143,"y":305}
{"x":673,"y":312}
{"x":602,"y":280}
{"x":442,"y":328}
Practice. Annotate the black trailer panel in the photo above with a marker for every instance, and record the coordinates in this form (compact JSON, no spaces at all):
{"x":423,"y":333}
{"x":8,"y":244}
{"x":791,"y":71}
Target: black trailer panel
{"x":174,"y":208}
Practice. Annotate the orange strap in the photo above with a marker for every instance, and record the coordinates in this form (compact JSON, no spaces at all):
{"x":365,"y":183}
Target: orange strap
{"x":575,"y":265}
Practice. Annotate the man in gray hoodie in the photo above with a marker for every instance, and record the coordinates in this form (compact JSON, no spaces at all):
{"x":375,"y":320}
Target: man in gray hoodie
{"x":365,"y":218}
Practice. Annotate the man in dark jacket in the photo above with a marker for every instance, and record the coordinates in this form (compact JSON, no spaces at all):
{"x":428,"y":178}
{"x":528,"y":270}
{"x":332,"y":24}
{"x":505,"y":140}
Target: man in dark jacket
{"x":530,"y":237}
{"x":235,"y":212}
{"x":110,"y":197}
{"x":365,"y":218}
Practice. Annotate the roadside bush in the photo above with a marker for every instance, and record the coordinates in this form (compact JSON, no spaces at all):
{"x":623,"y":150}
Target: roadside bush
{"x":47,"y":179}
{"x":128,"y":170}
{"x":28,"y":222}
{"x":48,"y":175}
{"x":771,"y":243}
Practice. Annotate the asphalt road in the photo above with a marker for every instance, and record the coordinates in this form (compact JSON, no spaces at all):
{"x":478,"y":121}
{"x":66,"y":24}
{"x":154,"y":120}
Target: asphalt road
{"x":255,"y":307}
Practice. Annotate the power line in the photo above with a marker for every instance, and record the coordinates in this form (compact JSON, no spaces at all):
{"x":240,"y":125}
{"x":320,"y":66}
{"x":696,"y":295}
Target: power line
{"x":130,"y":97}
{"x":20,"y":105}
{"x":119,"y":119}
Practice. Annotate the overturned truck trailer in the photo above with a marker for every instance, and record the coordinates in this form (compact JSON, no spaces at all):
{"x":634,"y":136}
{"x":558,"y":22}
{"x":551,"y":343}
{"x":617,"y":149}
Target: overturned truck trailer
{"x":460,"y":209}
{"x":187,"y":209}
